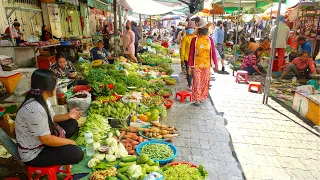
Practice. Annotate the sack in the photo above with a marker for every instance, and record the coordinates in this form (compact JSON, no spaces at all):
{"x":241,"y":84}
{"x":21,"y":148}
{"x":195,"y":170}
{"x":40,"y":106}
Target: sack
{"x":23,"y":86}
{"x":82,"y":104}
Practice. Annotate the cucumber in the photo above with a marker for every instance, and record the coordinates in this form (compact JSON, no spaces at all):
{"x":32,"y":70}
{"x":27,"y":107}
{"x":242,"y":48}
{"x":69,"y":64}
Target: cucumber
{"x":123,"y":169}
{"x":112,"y":178}
{"x":129,"y":158}
{"x":122,"y":177}
{"x":150,"y":162}
{"x":123,"y":164}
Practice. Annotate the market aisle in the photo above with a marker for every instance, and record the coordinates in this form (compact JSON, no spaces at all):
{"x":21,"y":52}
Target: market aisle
{"x":203,"y":138}
{"x":269,"y":145}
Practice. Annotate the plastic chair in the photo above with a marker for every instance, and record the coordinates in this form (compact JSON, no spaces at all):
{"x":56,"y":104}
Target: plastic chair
{"x":256,"y":85}
{"x":239,"y":76}
{"x":183,"y":95}
{"x":50,"y":171}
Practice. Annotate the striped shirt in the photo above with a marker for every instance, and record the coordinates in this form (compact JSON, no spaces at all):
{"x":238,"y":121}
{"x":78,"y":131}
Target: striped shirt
{"x":30,"y":123}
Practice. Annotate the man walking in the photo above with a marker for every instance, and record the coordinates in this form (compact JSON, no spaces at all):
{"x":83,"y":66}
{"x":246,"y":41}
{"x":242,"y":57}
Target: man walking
{"x":218,"y":37}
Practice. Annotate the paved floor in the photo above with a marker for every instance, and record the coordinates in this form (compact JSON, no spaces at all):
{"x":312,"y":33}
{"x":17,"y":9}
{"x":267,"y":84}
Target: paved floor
{"x":203,"y":138}
{"x":268,"y":144}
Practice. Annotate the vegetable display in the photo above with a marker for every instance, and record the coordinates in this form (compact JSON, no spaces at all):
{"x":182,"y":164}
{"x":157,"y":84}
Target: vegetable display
{"x":158,"y":131}
{"x":183,"y":171}
{"x":157,"y":151}
{"x":112,"y":109}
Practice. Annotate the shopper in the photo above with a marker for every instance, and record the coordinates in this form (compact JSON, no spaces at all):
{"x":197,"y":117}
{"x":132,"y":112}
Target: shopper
{"x":46,"y":34}
{"x":281,"y":41}
{"x":304,"y":46}
{"x":185,"y":49}
{"x":265,"y":44}
{"x":202,"y":56}
{"x":128,"y":39}
{"x":16,"y":33}
{"x":41,"y":135}
{"x":253,"y":45}
{"x":218,"y":37}
{"x":63,"y":68}
{"x":250,"y":62}
{"x":137,"y":37}
{"x":300,"y":64}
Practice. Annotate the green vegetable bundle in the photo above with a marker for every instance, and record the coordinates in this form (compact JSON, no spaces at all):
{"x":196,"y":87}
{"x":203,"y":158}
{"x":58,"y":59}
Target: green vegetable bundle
{"x":184,"y":171}
{"x":95,"y":123}
{"x":112,"y":109}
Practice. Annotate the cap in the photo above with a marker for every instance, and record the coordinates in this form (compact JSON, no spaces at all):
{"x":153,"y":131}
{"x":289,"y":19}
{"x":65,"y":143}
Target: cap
{"x":191,"y":24}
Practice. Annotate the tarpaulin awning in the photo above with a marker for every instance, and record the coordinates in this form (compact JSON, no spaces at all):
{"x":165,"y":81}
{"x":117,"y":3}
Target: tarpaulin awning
{"x":147,"y":7}
{"x":210,"y":8}
{"x":170,"y":17}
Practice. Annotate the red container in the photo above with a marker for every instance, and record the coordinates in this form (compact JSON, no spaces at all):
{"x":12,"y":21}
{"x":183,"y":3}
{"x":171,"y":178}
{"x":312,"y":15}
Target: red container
{"x":79,"y":88}
{"x":177,"y":163}
{"x":44,"y":62}
{"x":166,"y":95}
{"x":168,"y":103}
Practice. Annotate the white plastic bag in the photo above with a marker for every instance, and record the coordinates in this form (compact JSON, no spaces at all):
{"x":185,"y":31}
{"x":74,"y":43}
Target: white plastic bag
{"x":23,"y":86}
{"x":82,"y":104}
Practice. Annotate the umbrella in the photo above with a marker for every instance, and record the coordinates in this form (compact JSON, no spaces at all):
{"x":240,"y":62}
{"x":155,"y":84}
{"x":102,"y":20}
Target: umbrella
{"x":274,"y":9}
{"x":211,"y":8}
{"x":170,"y":17}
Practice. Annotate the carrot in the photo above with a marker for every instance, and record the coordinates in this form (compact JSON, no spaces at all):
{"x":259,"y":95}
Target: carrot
{"x":127,"y":136}
{"x":122,"y":134}
{"x":134,"y":142}
{"x":156,"y":124}
{"x":134,"y":147}
{"x":140,"y":139}
{"x":123,"y":141}
{"x":131,"y":152}
{"x":135,"y":137}
{"x":129,"y":148}
{"x":130,"y":133}
{"x":170,"y":135}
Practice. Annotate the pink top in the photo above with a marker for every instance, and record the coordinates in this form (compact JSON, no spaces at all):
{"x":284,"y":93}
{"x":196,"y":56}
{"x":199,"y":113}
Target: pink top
{"x":250,"y":60}
{"x":128,"y":39}
{"x":213,"y":57}
{"x":301,"y":65}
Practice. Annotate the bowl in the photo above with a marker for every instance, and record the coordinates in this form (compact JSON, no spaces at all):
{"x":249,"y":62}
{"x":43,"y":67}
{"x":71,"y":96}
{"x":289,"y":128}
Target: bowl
{"x":163,"y":161}
{"x":2,"y":111}
{"x":168,"y":103}
{"x":146,"y":137}
{"x":170,"y":82}
{"x":80,"y":88}
{"x":166,"y":95}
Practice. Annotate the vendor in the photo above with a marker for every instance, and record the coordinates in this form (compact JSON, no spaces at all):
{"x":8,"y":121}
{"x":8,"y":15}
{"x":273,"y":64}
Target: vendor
{"x":46,"y":34}
{"x":265,"y":44}
{"x":250,"y":62}
{"x":63,"y":68}
{"x":300,"y":64}
{"x":253,"y":45}
{"x":16,"y":33}
{"x":304,"y":46}
{"x":41,"y":135}
{"x":100,"y":52}
{"x":244,"y":46}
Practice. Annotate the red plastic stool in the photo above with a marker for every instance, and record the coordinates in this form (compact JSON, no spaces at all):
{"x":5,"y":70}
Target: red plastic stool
{"x":256,"y":85}
{"x":50,"y":171}
{"x":183,"y":95}
{"x":240,"y":74}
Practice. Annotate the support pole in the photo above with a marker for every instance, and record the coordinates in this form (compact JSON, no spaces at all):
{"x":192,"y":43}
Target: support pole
{"x":115,"y":18}
{"x":31,"y":22}
{"x":140,"y":25}
{"x":10,"y":25}
{"x":237,"y":33}
{"x":119,"y":16}
{"x":295,"y":26}
{"x":269,"y":73}
{"x":150,"y":26}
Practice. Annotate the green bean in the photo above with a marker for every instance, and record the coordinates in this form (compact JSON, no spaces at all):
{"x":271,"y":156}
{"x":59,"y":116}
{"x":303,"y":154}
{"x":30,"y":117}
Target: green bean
{"x":157,"y":151}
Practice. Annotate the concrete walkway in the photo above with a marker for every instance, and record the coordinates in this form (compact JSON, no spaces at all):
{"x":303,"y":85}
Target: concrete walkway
{"x":268,"y":144}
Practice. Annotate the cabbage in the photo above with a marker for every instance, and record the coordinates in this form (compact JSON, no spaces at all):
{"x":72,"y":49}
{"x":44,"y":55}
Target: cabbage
{"x":121,"y":151}
{"x":96,"y":145}
{"x":134,"y":172}
{"x":93,"y":162}
{"x":110,"y":158}
{"x":112,"y":150}
{"x":99,"y":156}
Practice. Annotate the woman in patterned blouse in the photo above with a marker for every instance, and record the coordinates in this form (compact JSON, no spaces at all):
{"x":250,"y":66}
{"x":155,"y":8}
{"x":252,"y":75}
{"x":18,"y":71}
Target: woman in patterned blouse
{"x":63,"y":68}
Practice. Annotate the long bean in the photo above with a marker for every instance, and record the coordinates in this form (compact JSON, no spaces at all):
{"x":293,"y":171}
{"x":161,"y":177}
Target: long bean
{"x":157,"y":151}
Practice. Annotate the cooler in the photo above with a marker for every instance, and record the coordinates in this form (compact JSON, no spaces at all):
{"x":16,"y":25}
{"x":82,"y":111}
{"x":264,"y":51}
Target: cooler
{"x":10,"y":80}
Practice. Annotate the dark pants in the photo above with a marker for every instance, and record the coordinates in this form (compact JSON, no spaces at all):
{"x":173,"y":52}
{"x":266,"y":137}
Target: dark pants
{"x":292,"y":56}
{"x":189,"y":76}
{"x":136,"y":49}
{"x":62,"y":155}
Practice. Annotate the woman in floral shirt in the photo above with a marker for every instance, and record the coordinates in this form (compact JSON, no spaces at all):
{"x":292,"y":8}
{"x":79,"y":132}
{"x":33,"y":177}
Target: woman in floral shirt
{"x":250,"y":62}
{"x":63,"y":68}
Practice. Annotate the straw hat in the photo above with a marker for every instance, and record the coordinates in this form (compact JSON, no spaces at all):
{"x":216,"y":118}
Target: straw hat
{"x":202,"y":23}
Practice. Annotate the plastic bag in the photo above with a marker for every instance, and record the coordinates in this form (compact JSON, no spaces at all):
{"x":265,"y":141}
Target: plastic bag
{"x":23,"y":86}
{"x":82,"y":103}
{"x":318,"y":56}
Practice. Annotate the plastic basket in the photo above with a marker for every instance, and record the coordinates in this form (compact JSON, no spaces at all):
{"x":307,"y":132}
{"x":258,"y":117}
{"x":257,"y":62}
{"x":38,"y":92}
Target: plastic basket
{"x":146,"y":137}
{"x":177,"y":163}
{"x":163,"y":161}
{"x":168,"y":103}
{"x":79,"y":88}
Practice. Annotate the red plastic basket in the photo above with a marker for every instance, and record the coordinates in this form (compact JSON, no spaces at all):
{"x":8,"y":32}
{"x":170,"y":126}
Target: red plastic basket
{"x":168,"y":103}
{"x":177,"y":163}
{"x":166,"y":95}
{"x":79,"y":88}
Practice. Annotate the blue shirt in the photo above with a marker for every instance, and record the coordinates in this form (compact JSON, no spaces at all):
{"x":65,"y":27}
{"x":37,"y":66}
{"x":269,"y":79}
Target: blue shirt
{"x":306,"y":47}
{"x":97,"y":54}
{"x":218,"y":36}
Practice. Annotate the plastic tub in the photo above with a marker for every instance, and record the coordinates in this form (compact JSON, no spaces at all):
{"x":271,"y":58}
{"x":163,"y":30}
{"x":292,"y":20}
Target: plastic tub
{"x":79,"y":88}
{"x":168,"y":103}
{"x":163,"y":161}
{"x":10,"y":80}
